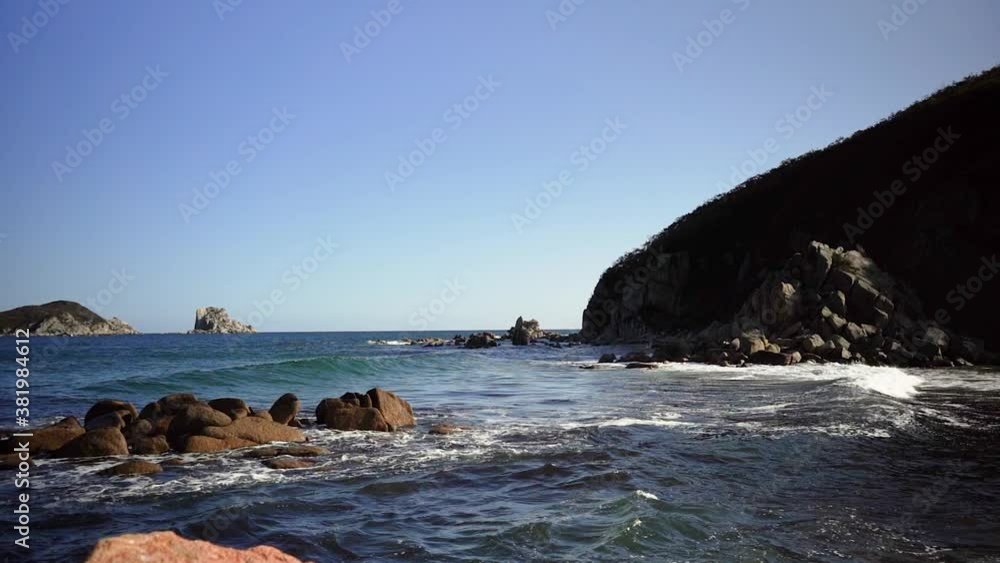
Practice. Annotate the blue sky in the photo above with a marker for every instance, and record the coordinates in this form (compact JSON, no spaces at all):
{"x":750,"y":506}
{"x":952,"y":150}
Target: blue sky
{"x":453,"y":246}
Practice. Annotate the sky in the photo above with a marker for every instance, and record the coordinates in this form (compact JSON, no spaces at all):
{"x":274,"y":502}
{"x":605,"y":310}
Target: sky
{"x":408,"y":164}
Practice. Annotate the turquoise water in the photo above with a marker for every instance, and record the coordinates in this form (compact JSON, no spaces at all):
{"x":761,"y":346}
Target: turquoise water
{"x":686,"y":462}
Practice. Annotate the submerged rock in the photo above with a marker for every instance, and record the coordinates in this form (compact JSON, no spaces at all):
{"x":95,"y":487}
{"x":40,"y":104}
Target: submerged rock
{"x":288,"y":463}
{"x":134,"y":467}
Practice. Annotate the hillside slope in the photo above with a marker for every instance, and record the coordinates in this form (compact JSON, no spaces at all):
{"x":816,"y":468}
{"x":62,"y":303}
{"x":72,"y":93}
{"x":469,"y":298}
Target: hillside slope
{"x":931,"y":235}
{"x":61,"y":318}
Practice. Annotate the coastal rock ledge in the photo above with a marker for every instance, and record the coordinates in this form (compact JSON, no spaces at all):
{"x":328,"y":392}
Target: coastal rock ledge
{"x":61,"y":318}
{"x":216,"y":320}
{"x":168,"y":547}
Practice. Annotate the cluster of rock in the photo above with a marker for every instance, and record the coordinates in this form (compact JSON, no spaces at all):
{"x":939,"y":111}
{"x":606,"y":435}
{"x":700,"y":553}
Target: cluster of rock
{"x":182,"y":423}
{"x":216,"y":320}
{"x":825,"y":304}
{"x":521,"y":334}
{"x":61,"y":318}
{"x":169,"y":547}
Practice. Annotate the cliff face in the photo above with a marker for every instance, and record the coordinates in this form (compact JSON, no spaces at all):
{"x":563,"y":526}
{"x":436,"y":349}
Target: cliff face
{"x":916,"y":192}
{"x":61,"y":318}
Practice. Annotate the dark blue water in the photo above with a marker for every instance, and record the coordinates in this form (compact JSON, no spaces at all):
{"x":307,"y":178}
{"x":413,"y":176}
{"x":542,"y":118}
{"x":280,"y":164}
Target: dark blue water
{"x":682,"y":463}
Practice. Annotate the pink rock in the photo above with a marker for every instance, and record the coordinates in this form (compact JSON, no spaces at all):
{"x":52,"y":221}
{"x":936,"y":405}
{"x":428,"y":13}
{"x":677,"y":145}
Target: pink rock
{"x":168,"y":547}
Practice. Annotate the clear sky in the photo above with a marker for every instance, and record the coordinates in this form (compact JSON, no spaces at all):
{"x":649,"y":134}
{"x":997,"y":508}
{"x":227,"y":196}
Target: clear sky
{"x":340,"y":109}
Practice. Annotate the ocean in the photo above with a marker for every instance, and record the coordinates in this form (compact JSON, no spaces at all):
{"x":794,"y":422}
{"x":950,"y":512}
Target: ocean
{"x":681,"y":463}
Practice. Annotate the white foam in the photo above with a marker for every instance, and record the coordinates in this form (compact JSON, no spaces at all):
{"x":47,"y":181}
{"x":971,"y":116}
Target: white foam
{"x":888,"y":381}
{"x":664,"y":419}
{"x":646,"y":495}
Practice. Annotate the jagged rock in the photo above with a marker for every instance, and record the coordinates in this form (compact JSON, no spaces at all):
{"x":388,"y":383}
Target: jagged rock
{"x":854,"y":333}
{"x":216,"y":320}
{"x":105,"y":406}
{"x":96,"y":443}
{"x":134,"y":467}
{"x":822,"y":260}
{"x":836,"y":302}
{"x":932,"y":341}
{"x":519,"y":335}
{"x":168,"y":547}
{"x":231,"y":407}
{"x":841,"y":281}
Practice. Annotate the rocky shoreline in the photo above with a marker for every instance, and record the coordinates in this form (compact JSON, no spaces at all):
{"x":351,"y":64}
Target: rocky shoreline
{"x":61,"y":318}
{"x":183,"y":424}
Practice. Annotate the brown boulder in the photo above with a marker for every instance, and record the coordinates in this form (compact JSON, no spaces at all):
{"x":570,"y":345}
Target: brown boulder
{"x":231,"y":407}
{"x":357,"y":399}
{"x":105,"y":406}
{"x":13,"y":461}
{"x":173,"y":404}
{"x":168,"y":547}
{"x":285,"y":408}
{"x":96,"y":443}
{"x":768,"y":358}
{"x":397,"y":412}
{"x":206,"y":445}
{"x":294,"y":451}
{"x":338,"y":415}
{"x":149,"y":445}
{"x":262,"y":414}
{"x":107,"y":420}
{"x":49,"y":438}
{"x":133,"y":467}
{"x":256,"y":430}
{"x":444,"y":428}
{"x":194,"y":419}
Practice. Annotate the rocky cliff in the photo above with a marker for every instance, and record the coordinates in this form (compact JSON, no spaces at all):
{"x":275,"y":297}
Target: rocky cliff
{"x":216,"y":320}
{"x":60,"y":318}
{"x":914,"y":193}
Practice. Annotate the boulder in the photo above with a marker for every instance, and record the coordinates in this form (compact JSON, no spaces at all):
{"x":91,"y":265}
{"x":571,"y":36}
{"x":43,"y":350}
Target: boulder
{"x":770,"y":358}
{"x":174,"y":404}
{"x":861,"y":301}
{"x":821,"y":257}
{"x":397,"y":412}
{"x":283,"y":463}
{"x":750,"y":344}
{"x":256,"y":430}
{"x":285,"y":408}
{"x":206,"y":445}
{"x":837,"y":303}
{"x":134,"y":467}
{"x":841,"y":280}
{"x":607,"y":359}
{"x":294,"y":451}
{"x":193,"y":420}
{"x":444,"y":428}
{"x":357,"y":399}
{"x":168,"y":547}
{"x":813,"y":343}
{"x":933,"y":341}
{"x":262,"y":414}
{"x":854,"y":332}
{"x":106,"y":406}
{"x":482,"y":340}
{"x":152,"y":411}
{"x":231,"y":407}
{"x":49,"y":438}
{"x":338,"y":415}
{"x":96,"y":443}
{"x":216,"y":320}
{"x":149,"y":445}
{"x":107,"y":420}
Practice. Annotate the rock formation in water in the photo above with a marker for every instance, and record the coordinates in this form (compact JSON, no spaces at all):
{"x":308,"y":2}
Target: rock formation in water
{"x":913,"y":194}
{"x":61,"y":318}
{"x":215,"y":320}
{"x":166,"y":547}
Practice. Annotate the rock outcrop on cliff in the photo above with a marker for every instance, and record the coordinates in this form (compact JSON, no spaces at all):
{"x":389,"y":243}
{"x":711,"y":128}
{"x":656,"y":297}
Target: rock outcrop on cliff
{"x":61,"y":318}
{"x":914,"y":194}
{"x":216,"y":320}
